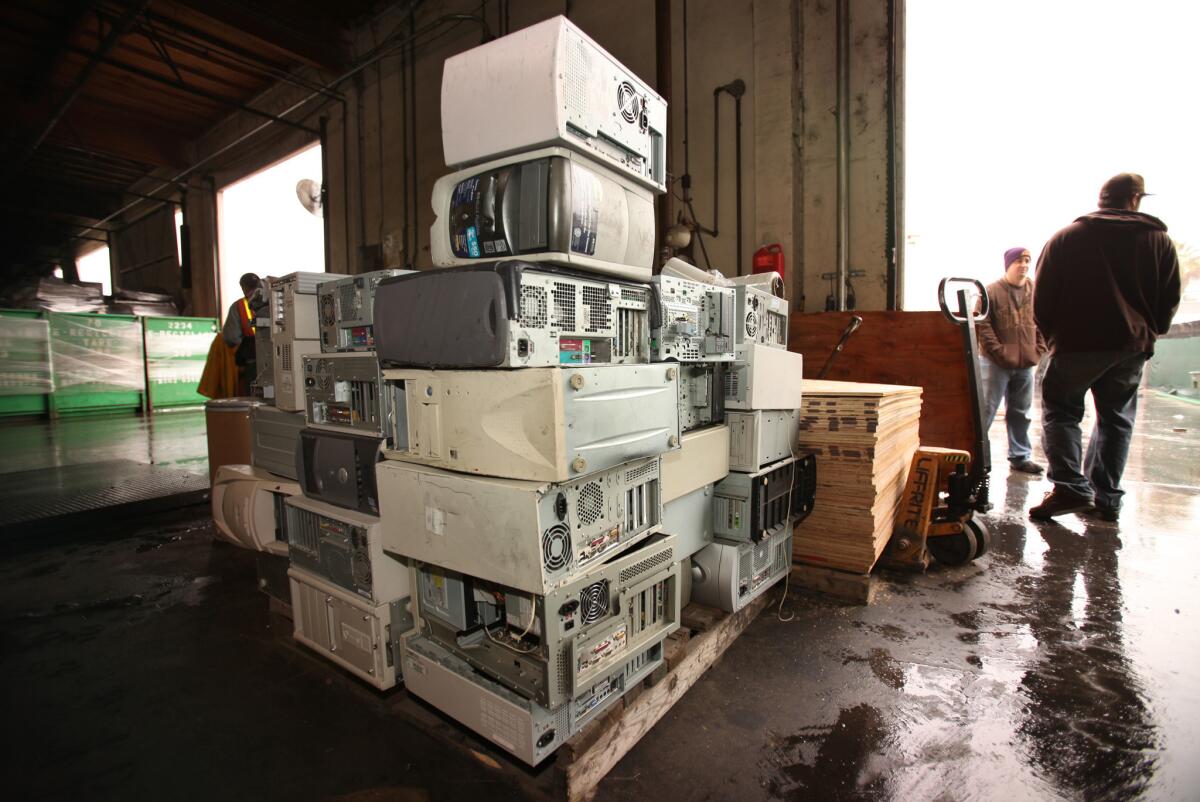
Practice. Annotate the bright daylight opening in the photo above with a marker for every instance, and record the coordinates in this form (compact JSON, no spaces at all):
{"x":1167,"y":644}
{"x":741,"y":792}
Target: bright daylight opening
{"x":94,"y":267}
{"x":1016,"y":114}
{"x":263,"y":227}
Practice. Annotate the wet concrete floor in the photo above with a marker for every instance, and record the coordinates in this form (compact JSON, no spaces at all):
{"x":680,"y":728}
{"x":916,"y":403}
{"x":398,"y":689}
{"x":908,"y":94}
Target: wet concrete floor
{"x":141,"y":664}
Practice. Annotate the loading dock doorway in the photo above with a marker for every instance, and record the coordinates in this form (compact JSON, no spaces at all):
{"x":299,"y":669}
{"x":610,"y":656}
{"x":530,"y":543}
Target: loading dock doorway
{"x":263,"y":227}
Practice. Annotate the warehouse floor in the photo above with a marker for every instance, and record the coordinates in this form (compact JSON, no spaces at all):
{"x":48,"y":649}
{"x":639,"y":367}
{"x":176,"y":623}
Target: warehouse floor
{"x":140,"y":662}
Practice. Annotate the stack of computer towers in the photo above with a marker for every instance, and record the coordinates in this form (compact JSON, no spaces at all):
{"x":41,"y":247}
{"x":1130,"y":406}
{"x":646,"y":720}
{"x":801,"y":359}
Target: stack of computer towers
{"x":248,"y":501}
{"x":769,"y":486}
{"x":350,"y":601}
{"x":523,"y":478}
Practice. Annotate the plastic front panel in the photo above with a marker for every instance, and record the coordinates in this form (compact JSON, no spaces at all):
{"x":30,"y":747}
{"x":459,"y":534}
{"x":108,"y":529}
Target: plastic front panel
{"x":704,"y":459}
{"x":539,"y":424}
{"x":276,"y":435}
{"x":547,"y":205}
{"x":547,"y":84}
{"x":247,"y":507}
{"x":753,"y":506}
{"x":690,"y":519}
{"x":552,"y":532}
{"x":765,"y":378}
{"x":339,"y":468}
{"x":731,"y":575}
{"x":762,"y":436}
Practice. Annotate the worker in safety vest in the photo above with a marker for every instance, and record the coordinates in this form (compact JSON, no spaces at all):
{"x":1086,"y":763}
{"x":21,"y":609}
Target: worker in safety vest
{"x":239,"y":329}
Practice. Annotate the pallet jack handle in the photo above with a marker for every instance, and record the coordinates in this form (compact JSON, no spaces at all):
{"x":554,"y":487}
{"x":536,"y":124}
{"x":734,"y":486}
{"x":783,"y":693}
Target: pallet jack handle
{"x":851,"y":327}
{"x":966,"y":318}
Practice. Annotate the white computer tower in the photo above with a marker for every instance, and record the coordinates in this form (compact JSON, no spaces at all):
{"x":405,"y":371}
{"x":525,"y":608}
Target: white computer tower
{"x":730,"y":575}
{"x":551,"y":84}
{"x":549,"y":648}
{"x":762,"y":317}
{"x":543,"y":424}
{"x":548,"y":205}
{"x":692,"y":321}
{"x":530,"y":536}
{"x":704,"y":459}
{"x":360,"y":636}
{"x":764,"y":378}
{"x":294,"y":332}
{"x":248,"y":507}
{"x":511,"y":314}
{"x":344,"y":547}
{"x":344,"y":392}
{"x":690,"y":519}
{"x":761,"y":436}
{"x":346,"y":307}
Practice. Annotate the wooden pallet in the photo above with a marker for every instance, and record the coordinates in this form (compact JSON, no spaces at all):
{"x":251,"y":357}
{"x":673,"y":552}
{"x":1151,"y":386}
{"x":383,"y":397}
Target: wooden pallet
{"x":577,"y":768}
{"x":844,"y":585}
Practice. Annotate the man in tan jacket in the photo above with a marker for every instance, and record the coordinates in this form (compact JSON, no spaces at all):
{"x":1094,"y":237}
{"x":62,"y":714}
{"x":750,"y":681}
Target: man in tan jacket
{"x":1011,"y":347}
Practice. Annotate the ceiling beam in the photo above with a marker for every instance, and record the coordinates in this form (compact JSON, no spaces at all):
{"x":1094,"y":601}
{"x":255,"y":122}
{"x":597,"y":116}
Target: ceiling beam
{"x":119,"y":29}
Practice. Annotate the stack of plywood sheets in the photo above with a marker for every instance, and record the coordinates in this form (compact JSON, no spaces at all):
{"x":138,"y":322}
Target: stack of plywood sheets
{"x":864,"y":436}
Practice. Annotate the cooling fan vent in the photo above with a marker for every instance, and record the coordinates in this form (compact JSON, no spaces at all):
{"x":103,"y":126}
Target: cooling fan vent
{"x":591,"y":503}
{"x":328,"y":312}
{"x":533,"y":306}
{"x":593,"y":602}
{"x":556,"y":547}
{"x":362,"y":569}
{"x":751,"y":324}
{"x":629,"y":102}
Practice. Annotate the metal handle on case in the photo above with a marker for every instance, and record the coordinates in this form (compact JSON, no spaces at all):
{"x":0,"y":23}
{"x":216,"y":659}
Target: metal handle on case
{"x":961,"y":317}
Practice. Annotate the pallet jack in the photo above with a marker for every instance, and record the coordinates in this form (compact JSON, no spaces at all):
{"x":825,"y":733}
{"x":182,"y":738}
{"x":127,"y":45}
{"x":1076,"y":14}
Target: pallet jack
{"x":946,"y":489}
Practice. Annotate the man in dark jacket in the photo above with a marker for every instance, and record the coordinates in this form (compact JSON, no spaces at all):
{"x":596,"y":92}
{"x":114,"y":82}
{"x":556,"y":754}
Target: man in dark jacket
{"x":1107,"y":286}
{"x":1011,"y":347}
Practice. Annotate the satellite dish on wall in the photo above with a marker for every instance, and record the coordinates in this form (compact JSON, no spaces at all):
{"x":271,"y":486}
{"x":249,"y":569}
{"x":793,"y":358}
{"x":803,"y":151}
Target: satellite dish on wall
{"x":308,"y":192}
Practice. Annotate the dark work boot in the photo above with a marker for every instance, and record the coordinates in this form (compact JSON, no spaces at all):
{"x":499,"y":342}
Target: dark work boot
{"x":1026,"y":466}
{"x":1060,"y":501}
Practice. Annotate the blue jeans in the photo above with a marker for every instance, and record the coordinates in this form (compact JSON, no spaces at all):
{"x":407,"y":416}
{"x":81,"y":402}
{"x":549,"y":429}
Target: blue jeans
{"x":1113,"y":378}
{"x":1013,"y":386}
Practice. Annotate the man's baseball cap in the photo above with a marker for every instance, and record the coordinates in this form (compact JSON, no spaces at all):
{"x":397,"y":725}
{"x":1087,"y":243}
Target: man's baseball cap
{"x":1122,"y":187}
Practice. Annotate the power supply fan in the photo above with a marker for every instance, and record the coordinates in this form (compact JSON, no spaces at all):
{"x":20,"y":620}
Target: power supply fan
{"x":308,"y":192}
{"x":629,"y":102}
{"x":593,"y":602}
{"x":751,"y":324}
{"x":556,"y":547}
{"x":328,"y":312}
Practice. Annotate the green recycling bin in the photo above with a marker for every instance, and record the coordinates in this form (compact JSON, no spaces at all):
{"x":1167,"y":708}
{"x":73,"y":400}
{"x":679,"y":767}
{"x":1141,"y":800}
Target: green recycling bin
{"x":98,"y":364}
{"x":25,"y":376}
{"x":176,"y":350}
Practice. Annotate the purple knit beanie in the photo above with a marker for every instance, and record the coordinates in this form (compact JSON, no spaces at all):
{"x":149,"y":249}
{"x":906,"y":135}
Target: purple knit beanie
{"x":1013,"y":254}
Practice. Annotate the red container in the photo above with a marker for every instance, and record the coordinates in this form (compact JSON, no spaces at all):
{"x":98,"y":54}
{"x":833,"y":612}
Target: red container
{"x":769,"y":259}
